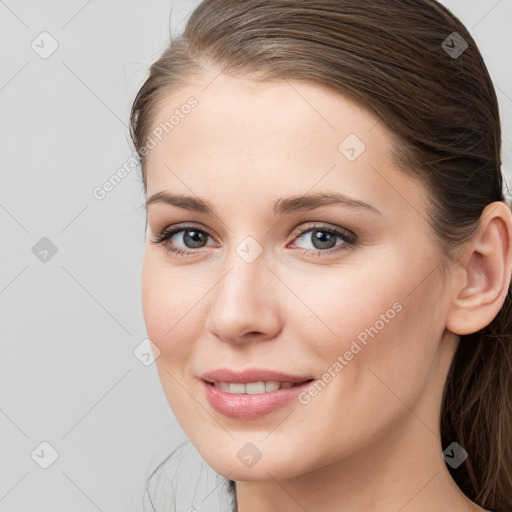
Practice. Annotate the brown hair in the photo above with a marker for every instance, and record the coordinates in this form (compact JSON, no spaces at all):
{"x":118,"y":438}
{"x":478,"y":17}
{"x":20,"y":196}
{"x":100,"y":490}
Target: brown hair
{"x":389,"y":56}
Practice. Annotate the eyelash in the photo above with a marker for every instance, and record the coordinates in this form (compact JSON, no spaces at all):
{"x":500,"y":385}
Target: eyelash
{"x":348,"y":238}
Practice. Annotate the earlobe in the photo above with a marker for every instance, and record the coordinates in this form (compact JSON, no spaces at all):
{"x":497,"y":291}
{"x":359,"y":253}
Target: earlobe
{"x":487,"y":270}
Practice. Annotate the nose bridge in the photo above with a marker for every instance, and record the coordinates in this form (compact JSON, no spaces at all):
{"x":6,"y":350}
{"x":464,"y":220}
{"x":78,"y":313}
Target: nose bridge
{"x":245,"y":272}
{"x":241,"y":301}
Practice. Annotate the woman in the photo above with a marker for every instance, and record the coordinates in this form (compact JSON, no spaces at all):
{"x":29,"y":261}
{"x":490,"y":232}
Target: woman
{"x":328,"y":264}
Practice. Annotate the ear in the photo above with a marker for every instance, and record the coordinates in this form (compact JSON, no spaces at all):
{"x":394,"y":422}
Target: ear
{"x":486,"y":273}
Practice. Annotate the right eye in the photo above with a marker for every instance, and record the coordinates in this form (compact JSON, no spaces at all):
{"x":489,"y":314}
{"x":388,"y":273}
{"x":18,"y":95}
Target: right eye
{"x":191,"y":236}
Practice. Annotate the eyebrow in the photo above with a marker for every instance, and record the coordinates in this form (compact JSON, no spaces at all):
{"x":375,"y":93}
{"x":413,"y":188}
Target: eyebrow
{"x":282,"y":206}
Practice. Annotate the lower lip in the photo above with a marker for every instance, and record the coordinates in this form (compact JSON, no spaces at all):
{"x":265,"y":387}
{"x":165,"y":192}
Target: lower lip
{"x":247,"y":407}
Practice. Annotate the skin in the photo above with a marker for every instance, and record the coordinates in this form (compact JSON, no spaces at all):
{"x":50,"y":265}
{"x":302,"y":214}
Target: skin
{"x":370,"y":439}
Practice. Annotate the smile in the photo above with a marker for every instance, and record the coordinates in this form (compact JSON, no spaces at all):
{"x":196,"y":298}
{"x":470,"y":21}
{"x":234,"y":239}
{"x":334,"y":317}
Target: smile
{"x":251,"y":400}
{"x":253,"y":388}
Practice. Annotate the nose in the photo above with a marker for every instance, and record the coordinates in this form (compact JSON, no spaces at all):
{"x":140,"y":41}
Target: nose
{"x":244,"y":306}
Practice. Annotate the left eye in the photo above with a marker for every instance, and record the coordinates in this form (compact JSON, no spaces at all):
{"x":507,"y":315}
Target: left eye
{"x":324,"y":239}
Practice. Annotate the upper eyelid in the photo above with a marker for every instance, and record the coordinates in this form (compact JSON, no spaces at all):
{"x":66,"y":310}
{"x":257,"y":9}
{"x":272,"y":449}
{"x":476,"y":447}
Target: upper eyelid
{"x":320,"y":225}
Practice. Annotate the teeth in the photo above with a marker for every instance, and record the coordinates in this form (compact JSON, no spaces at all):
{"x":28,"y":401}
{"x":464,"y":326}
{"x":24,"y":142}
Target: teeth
{"x":236,"y":388}
{"x":252,"y":388}
{"x":272,"y":385}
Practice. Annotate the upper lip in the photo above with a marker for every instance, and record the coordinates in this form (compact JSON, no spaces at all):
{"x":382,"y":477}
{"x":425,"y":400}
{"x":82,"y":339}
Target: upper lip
{"x":251,"y":375}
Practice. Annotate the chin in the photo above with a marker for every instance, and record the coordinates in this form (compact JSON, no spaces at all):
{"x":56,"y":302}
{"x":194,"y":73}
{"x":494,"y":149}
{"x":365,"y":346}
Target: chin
{"x":250,"y":460}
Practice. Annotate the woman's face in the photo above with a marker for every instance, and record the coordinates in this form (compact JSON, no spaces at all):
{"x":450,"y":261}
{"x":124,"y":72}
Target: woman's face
{"x":355,"y":301}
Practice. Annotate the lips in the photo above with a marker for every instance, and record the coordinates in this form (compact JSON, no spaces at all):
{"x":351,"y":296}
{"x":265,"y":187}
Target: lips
{"x":248,"y":407}
{"x":251,"y":393}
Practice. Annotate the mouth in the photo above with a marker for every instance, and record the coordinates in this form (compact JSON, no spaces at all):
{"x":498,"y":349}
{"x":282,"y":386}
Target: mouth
{"x":255,"y":388}
{"x":251,"y":400}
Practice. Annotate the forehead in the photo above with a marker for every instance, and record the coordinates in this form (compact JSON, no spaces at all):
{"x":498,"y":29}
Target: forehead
{"x":242,"y":111}
{"x":284,"y":136}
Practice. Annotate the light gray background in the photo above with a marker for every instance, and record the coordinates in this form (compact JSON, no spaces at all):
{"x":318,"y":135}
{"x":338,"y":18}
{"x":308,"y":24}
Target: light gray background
{"x":69,"y":326}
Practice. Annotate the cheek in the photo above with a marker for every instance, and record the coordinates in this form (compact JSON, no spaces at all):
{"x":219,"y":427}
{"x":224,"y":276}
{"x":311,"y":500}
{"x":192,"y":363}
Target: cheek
{"x":378,"y":327}
{"x":342,"y":305}
{"x":167,"y":307}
